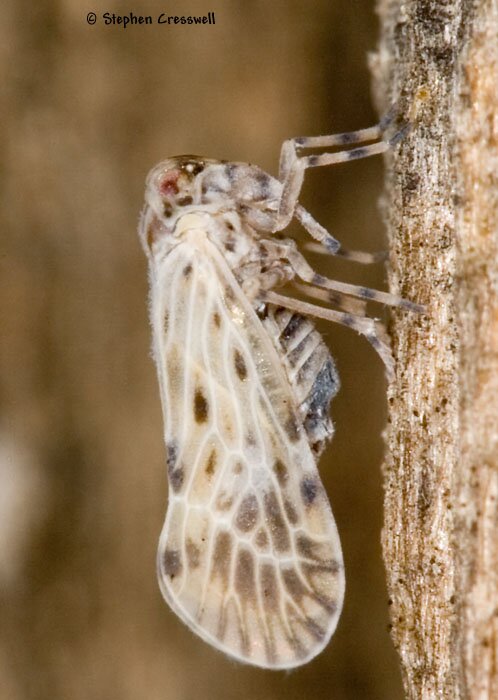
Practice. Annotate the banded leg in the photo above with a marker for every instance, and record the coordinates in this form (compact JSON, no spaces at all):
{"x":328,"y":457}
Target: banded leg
{"x":342,"y":302}
{"x":373,"y":331}
{"x":292,"y":166}
{"x":329,"y":244}
{"x":287,"y":251}
{"x":265,"y":221}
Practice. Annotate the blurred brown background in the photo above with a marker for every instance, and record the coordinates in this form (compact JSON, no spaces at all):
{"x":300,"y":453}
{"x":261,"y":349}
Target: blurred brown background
{"x":87,"y":111}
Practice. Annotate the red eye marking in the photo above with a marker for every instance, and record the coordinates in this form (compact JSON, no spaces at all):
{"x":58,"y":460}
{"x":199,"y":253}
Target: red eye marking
{"x":168,"y":183}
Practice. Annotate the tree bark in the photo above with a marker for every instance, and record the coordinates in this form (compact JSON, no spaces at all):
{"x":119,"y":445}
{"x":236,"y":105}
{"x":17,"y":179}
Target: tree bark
{"x":440,"y":539}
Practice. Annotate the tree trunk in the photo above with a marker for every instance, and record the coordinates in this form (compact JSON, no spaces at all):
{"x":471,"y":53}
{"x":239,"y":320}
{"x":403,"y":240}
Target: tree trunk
{"x":440,"y":537}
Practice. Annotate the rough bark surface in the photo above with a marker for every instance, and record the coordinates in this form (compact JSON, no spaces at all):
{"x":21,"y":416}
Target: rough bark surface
{"x":440,"y":537}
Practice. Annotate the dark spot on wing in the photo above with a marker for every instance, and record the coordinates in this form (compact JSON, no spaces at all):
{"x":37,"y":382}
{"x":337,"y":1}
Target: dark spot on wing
{"x":309,"y":490}
{"x":174,"y":365}
{"x":187,"y":270}
{"x":313,"y":628}
{"x":298,"y":590}
{"x":176,"y":477}
{"x":327,"y":603}
{"x":201,"y":407}
{"x":250,"y":439}
{"x":150,"y":235}
{"x":330,"y":605}
{"x":247,"y":514}
{"x":175,"y":472}
{"x":275,"y":522}
{"x":184,"y":201}
{"x":211,"y":463}
{"x":172,"y":564}
{"x":280,"y":471}
{"x":229,"y":295}
{"x":330,"y":566}
{"x":261,"y":539}
{"x":269,"y":587}
{"x":167,"y":210}
{"x":193,"y":554}
{"x":165,"y":322}
{"x":238,"y":468}
{"x":222,"y":555}
{"x":240,"y":365}
{"x":291,"y":512}
{"x":294,"y":584}
{"x":307,"y":547}
{"x":171,"y":454}
{"x":228,"y":425}
{"x":217,"y":319}
{"x":224,"y":502}
{"x":245,"y":583}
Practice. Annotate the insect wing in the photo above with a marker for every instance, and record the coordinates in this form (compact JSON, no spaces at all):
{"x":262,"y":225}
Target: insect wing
{"x":249,"y":556}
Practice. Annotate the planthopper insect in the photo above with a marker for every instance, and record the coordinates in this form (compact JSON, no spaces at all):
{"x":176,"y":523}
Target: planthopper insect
{"x":249,"y":556}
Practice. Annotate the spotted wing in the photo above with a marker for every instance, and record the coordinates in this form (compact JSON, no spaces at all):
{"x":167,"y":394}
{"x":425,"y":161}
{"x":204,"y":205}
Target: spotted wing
{"x":249,"y":556}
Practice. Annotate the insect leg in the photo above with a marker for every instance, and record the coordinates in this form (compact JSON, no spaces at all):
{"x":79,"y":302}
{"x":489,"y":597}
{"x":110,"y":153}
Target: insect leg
{"x":373,"y":331}
{"x":345,"y":139}
{"x":330,"y":245}
{"x":287,"y":250}
{"x":292,"y":165}
{"x":342,"y":302}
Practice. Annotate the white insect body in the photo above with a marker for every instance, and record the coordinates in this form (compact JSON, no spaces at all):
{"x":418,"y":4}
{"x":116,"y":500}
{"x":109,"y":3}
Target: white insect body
{"x":249,"y":556}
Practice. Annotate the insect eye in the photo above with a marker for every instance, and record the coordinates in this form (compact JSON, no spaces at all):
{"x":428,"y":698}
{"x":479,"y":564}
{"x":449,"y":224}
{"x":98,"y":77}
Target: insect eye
{"x":168,"y":184}
{"x":195,"y":167}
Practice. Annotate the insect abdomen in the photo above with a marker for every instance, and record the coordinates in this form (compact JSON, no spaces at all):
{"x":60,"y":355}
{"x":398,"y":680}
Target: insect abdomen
{"x":310,"y":369}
